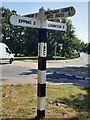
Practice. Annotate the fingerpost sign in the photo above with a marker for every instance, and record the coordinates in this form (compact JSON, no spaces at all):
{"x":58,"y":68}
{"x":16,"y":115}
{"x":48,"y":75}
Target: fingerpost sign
{"x":64,"y":12}
{"x":39,"y":21}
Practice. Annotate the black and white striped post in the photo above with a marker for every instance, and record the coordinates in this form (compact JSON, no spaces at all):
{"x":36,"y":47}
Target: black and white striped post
{"x":41,"y":88}
{"x":42,"y":56}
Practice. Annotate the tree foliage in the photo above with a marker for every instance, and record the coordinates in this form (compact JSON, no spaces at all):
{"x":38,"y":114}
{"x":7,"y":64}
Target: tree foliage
{"x":23,"y":41}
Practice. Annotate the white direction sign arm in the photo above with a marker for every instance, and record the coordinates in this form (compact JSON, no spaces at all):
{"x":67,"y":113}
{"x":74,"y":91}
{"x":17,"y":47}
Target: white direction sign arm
{"x":35,"y":23}
{"x":24,"y":21}
{"x":33,"y":15}
{"x":54,"y":25}
{"x":64,"y":12}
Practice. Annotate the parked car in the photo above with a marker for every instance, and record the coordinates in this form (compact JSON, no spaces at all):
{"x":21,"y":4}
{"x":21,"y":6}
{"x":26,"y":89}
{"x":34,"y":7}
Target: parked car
{"x":5,"y":53}
{"x":77,"y":54}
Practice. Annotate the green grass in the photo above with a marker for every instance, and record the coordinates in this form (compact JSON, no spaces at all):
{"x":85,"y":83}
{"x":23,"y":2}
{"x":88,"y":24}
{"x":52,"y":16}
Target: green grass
{"x":20,"y":101}
{"x":60,"y":58}
{"x":36,"y":57}
{"x":26,"y":58}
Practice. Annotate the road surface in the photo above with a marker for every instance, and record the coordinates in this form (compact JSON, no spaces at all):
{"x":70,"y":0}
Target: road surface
{"x":70,"y":72}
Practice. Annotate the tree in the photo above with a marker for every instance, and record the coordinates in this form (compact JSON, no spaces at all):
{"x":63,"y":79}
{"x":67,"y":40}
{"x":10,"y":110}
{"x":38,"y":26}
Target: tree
{"x":23,"y":41}
{"x":30,"y":38}
{"x":65,"y":38}
{"x":87,"y":48}
{"x":11,"y":34}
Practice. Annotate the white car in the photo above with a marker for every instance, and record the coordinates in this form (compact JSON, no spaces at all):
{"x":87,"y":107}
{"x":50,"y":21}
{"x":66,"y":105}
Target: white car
{"x":77,"y":54}
{"x":5,"y":53}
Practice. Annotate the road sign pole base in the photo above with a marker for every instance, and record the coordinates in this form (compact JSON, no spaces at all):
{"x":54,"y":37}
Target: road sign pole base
{"x":38,"y":118}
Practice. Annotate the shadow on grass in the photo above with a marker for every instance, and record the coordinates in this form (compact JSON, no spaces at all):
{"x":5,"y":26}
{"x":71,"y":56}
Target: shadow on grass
{"x":79,"y":103}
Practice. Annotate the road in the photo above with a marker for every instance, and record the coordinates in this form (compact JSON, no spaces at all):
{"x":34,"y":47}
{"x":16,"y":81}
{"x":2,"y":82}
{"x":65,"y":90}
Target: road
{"x":70,"y":72}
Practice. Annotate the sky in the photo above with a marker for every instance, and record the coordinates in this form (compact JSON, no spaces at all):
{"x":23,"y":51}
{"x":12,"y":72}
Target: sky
{"x":79,"y":20}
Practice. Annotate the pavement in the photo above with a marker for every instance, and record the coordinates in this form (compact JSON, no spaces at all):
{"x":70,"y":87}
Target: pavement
{"x":67,"y":72}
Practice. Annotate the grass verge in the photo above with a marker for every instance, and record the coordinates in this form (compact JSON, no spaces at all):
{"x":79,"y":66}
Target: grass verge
{"x":20,"y":101}
{"x":26,"y":58}
{"x":36,"y":57}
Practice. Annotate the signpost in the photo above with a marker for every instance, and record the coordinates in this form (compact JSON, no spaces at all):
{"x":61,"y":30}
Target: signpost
{"x":54,"y":25}
{"x":39,"y":20}
{"x":64,"y":12}
{"x":24,"y":21}
{"x":35,"y":23}
{"x":34,"y":15}
{"x":58,"y":13}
